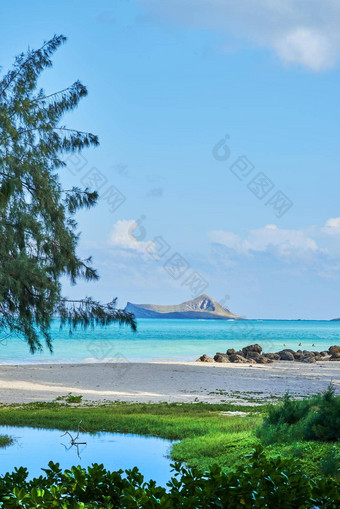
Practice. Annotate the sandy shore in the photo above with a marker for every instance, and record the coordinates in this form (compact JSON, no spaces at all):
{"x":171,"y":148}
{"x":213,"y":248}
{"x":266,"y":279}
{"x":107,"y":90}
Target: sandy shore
{"x":154,"y":382}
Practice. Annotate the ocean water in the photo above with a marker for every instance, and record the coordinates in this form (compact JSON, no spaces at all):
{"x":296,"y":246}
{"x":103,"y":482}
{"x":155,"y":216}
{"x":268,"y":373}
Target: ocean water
{"x":172,"y":340}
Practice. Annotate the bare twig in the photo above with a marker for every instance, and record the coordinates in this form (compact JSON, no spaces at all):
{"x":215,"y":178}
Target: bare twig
{"x":74,"y":439}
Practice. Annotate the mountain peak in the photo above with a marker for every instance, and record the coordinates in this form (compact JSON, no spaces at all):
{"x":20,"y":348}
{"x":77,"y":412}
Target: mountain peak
{"x":202,"y":307}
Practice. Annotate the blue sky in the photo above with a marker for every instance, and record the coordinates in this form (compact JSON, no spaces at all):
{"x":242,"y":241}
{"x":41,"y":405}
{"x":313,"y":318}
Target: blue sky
{"x":167,"y":81}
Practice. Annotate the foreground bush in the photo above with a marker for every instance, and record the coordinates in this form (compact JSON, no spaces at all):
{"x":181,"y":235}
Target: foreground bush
{"x":314,"y":418}
{"x":262,"y":483}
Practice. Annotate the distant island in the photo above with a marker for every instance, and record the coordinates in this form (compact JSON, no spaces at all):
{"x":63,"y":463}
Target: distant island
{"x":335,"y":320}
{"x":203,"y":307}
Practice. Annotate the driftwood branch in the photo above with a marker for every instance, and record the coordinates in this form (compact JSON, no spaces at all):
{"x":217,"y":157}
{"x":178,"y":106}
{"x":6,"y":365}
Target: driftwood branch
{"x":74,"y":439}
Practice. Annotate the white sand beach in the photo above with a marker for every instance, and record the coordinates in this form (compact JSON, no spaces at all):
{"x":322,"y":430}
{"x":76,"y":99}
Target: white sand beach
{"x":171,"y":382}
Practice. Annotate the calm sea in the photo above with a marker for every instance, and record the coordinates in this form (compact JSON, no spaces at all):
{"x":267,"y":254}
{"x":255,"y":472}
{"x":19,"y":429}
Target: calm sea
{"x":173,"y":340}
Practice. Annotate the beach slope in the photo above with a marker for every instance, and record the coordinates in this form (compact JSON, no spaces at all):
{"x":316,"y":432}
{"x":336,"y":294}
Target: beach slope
{"x":171,"y":382}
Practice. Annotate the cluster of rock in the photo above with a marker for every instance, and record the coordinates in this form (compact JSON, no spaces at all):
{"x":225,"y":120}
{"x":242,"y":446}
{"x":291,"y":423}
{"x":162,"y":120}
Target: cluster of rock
{"x":253,"y":354}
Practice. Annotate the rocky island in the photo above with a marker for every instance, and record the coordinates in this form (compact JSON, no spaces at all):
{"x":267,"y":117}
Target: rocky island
{"x":203,"y":307}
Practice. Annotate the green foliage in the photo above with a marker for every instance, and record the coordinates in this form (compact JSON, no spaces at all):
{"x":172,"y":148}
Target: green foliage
{"x":173,"y":421}
{"x":227,"y":449}
{"x":311,"y":455}
{"x":330,"y":464}
{"x":70,"y":398}
{"x":324,"y":422}
{"x":314,"y":418}
{"x":260,"y":483}
{"x":38,"y":232}
{"x":5,"y":440}
{"x":204,"y":434}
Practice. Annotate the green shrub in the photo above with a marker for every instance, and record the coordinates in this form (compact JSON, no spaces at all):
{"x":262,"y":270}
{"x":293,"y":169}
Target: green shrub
{"x":298,"y":450}
{"x":324,"y":422}
{"x":330,"y":464}
{"x":261,"y":483}
{"x":313,"y":418}
{"x":70,"y":398}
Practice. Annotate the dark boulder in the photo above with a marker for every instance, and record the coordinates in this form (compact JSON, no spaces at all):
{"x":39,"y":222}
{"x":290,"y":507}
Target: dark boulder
{"x":286,"y":355}
{"x":309,"y":359}
{"x":251,"y":348}
{"x":272,"y":356}
{"x":253,"y":355}
{"x":205,"y":358}
{"x":221,"y":358}
{"x":237,"y":358}
{"x":261,"y":359}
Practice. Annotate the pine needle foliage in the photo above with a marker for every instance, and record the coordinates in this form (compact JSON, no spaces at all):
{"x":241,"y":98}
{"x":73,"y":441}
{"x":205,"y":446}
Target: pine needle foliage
{"x":38,"y":231}
{"x":312,"y":418}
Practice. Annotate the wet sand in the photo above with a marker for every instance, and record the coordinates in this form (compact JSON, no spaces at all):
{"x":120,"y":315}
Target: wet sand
{"x":155,"y":382}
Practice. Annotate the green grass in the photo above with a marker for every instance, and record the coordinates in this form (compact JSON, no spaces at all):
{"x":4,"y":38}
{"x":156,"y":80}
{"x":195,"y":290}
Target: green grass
{"x":173,"y":421}
{"x":204,"y":434}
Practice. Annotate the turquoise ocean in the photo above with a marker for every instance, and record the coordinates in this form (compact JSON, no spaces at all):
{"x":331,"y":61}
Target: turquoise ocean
{"x":172,"y":340}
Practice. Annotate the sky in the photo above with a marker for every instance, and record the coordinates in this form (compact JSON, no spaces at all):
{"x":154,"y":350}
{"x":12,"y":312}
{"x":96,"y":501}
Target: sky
{"x":218,"y":165}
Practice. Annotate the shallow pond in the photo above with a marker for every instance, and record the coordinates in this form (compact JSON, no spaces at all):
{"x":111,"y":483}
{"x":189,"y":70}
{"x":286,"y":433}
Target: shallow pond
{"x":34,"y":448}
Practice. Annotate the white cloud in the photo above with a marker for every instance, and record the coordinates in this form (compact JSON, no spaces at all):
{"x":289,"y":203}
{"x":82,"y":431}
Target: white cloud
{"x":228,"y":239}
{"x":284,"y":244}
{"x":125,"y":235}
{"x":304,"y":32}
{"x":332,"y":226}
{"x":308,"y":47}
